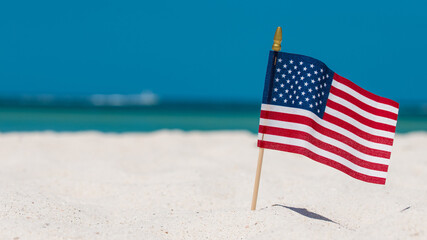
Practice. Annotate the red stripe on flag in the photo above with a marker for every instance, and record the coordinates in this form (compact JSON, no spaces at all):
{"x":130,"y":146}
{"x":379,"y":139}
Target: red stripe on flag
{"x":364,"y":92}
{"x":325,"y":146}
{"x":357,"y":131}
{"x":383,"y":113}
{"x":320,"y":159}
{"x":286,"y":117}
{"x":360,"y":118}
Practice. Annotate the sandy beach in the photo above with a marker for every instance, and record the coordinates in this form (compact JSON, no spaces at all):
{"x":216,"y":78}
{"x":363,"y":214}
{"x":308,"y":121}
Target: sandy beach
{"x":198,"y":185}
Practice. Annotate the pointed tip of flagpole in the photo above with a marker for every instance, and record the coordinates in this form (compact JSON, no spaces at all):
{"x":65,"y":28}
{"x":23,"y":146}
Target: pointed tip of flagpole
{"x":277,"y":40}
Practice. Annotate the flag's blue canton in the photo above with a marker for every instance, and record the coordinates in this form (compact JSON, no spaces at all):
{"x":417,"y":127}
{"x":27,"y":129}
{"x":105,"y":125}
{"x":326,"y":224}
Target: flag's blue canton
{"x":297,"y":81}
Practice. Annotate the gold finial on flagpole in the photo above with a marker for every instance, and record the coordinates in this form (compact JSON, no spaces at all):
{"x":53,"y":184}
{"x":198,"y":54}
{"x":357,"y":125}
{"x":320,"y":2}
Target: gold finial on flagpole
{"x":277,"y":40}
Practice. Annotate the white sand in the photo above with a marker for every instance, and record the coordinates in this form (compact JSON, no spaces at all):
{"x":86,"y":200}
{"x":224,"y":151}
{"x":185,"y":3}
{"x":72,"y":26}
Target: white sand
{"x":175,"y":185}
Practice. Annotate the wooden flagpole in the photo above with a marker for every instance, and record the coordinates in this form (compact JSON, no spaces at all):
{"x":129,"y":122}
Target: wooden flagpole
{"x":276,"y":47}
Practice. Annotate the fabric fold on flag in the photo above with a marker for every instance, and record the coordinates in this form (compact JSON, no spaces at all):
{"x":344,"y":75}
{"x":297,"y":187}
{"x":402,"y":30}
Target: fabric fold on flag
{"x":310,"y":110}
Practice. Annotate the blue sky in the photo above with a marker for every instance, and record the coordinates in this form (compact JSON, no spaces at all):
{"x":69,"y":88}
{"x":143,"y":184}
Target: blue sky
{"x":218,"y":50}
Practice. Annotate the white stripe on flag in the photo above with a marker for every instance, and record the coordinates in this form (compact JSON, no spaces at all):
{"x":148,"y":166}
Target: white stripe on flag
{"x":360,"y":111}
{"x":333,"y":127}
{"x":364,"y":99}
{"x":323,"y":138}
{"x":321,"y":152}
{"x":357,"y":124}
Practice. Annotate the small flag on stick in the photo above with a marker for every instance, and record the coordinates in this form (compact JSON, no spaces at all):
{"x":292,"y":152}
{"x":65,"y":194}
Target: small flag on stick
{"x":309,"y":109}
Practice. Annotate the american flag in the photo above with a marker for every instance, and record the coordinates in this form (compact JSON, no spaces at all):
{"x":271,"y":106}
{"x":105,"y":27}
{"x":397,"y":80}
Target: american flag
{"x":310,"y":110}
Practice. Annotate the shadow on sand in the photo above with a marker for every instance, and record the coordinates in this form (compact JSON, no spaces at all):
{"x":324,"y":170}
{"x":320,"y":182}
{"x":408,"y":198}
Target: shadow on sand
{"x":306,"y":213}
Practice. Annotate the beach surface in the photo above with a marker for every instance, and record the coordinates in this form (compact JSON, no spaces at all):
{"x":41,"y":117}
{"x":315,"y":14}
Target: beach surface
{"x":198,"y":185}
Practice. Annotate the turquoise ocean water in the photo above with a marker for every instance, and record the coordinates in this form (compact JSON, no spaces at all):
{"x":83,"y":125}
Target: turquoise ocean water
{"x":183,"y":116}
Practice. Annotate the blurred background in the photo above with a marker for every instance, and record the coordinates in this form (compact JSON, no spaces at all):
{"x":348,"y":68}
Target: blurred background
{"x":126,"y":66}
